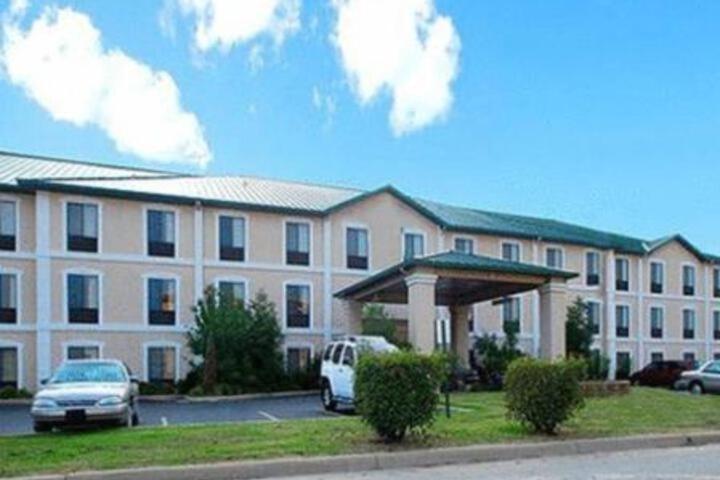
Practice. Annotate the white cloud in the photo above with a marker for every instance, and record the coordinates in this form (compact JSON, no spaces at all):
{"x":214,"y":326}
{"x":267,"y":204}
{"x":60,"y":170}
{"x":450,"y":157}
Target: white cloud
{"x":60,"y":63}
{"x":403,"y":47}
{"x":223,"y":24}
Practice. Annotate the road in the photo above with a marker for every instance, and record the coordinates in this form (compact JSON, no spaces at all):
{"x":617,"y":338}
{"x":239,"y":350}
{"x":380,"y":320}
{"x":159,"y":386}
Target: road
{"x":16,"y":419}
{"x":697,"y":463}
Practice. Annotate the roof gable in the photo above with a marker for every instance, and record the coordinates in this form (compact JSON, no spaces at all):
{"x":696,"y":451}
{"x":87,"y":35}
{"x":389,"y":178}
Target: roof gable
{"x":677,"y":238}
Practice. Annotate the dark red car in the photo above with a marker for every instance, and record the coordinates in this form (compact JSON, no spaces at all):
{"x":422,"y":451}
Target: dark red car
{"x":661,"y":374}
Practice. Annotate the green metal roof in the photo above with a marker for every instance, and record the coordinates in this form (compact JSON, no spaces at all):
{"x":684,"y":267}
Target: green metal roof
{"x":456,"y":261}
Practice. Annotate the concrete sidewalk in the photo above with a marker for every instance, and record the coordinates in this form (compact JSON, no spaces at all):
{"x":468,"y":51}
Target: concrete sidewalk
{"x":393,"y":460}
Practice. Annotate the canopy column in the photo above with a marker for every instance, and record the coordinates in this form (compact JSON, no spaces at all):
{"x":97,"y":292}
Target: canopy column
{"x":553,"y":315}
{"x":460,"y":334}
{"x":421,"y":311}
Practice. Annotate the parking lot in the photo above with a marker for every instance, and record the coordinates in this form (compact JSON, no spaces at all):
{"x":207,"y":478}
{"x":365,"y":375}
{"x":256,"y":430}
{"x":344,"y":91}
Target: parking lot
{"x":15,"y":419}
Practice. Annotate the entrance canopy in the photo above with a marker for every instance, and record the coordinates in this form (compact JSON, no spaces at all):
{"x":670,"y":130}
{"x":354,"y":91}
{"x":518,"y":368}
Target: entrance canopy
{"x":461,"y":279}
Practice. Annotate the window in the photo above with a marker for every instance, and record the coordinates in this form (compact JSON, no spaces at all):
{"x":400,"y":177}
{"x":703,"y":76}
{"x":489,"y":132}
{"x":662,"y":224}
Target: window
{"x":714,"y":367}
{"x":161,"y":233}
{"x":328,"y":352}
{"x":83,"y":352}
{"x":297,"y":243}
{"x":592,"y":268}
{"x":688,"y":324}
{"x":414,"y":245}
{"x":511,"y":314}
{"x":8,"y":223}
{"x":622,"y":274}
{"x":297,"y":306}
{"x":349,"y":356}
{"x":593,"y":311}
{"x":716,"y":324}
{"x":82,"y":227}
{"x":622,"y":321}
{"x":337,"y":353}
{"x":511,"y":252}
{"x":688,"y":272}
{"x":83,"y":298}
{"x":689,"y":357}
{"x":299,"y":359}
{"x":232,"y":238}
{"x":161,"y":367}
{"x":657,"y":317}
{"x":716,"y":282}
{"x":716,"y":356}
{"x":162,"y":301}
{"x":623,"y":365}
{"x":232,"y":291}
{"x":8,"y":298}
{"x":656,"y":357}
{"x":554,"y":258}
{"x":657,"y":277}
{"x":9,"y":370}
{"x":356,"y":246}
{"x":464,"y":245}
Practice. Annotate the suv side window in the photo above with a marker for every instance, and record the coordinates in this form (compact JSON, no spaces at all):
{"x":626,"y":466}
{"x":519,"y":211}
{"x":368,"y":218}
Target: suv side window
{"x":337,"y":353}
{"x":349,"y":356}
{"x":328,"y":352}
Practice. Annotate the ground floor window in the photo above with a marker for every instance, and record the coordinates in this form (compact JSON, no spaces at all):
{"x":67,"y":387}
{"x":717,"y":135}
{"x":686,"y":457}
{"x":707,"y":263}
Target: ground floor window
{"x":716,"y":356}
{"x":9,"y":367}
{"x":656,"y":356}
{"x":511,"y":314}
{"x":689,"y":357}
{"x":83,"y":352}
{"x":624,"y":365}
{"x":161,"y":366}
{"x":298,"y":359}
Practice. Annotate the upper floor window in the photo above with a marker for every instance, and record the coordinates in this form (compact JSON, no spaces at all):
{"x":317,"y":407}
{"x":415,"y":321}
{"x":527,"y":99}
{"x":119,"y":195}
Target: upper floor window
{"x":232,"y":291}
{"x":657,"y":277}
{"x":688,"y":324}
{"x":716,"y":282}
{"x":161,"y":365}
{"x":9,"y":367}
{"x":593,"y":312}
{"x":511,"y":251}
{"x":511,"y":314}
{"x":716,"y":324}
{"x":622,"y":321}
{"x":622,"y":274}
{"x":464,"y":245}
{"x":162,"y":301}
{"x":297,"y":243}
{"x":688,"y":272}
{"x":8,"y":298}
{"x":83,"y":298}
{"x":232,"y":238}
{"x":657,"y":318}
{"x":592,"y":268}
{"x":356,"y":246}
{"x":554,"y":258}
{"x":8,"y":225}
{"x":297,"y":306}
{"x":82,"y":227}
{"x":161,"y":233}
{"x":83,"y":352}
{"x":414,"y":245}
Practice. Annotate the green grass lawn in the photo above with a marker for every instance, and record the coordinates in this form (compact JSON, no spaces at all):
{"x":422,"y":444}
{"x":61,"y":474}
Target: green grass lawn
{"x":480,"y":418}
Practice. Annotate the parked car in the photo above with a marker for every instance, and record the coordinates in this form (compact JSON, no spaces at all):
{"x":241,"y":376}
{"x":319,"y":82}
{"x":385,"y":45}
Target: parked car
{"x":337,"y":370}
{"x":703,"y":379}
{"x":87,"y":392}
{"x":661,"y":374}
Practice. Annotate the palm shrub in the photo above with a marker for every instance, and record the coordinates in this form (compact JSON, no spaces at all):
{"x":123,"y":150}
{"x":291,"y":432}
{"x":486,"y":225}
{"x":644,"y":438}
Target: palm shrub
{"x":494,"y":355}
{"x":542,"y":394}
{"x":398,"y":392}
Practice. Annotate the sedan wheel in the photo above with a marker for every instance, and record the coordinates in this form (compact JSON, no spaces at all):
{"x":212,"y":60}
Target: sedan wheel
{"x":696,"y":389}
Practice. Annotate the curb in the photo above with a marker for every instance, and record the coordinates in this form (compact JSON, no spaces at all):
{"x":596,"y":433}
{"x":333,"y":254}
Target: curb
{"x":392,"y":460}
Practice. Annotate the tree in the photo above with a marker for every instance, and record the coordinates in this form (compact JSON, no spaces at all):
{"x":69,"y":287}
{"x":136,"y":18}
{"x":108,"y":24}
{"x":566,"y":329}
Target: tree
{"x":578,"y":330}
{"x":376,"y":321}
{"x":495,"y":355}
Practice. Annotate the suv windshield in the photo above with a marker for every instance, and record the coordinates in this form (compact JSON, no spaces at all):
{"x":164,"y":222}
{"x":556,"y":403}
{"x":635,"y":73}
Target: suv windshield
{"x":89,"y":372}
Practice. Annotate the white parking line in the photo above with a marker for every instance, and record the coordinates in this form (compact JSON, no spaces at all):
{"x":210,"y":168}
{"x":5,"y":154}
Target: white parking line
{"x":272,"y":418}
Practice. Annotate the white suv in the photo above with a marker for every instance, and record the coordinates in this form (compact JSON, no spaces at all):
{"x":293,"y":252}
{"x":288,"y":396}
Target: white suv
{"x":337,"y":372}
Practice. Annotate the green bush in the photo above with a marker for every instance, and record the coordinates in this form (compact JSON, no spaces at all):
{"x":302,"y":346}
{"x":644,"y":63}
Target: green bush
{"x":542,"y":394}
{"x":398,"y":392}
{"x":598,"y":366}
{"x":11,"y":393}
{"x":494,"y":355}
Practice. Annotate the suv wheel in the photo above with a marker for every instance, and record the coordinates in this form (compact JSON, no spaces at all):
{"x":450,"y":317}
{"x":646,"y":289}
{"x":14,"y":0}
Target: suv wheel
{"x":696,"y":388}
{"x":326,"y":395}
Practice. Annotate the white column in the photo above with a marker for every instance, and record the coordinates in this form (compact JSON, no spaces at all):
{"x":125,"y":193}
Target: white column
{"x":553,"y":310}
{"x":708,"y":313}
{"x":327,"y":281}
{"x":199,"y":252}
{"x":536,"y":304}
{"x":640,"y":314}
{"x":43,"y":286}
{"x":421,"y":311}
{"x":610,"y":320}
{"x":459,"y":334}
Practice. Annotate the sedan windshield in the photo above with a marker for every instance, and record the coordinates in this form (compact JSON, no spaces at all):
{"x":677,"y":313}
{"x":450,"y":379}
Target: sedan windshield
{"x":89,"y":372}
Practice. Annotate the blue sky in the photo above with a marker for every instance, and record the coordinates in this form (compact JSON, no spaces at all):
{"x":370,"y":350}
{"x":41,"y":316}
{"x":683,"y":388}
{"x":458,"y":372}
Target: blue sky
{"x":597,"y":112}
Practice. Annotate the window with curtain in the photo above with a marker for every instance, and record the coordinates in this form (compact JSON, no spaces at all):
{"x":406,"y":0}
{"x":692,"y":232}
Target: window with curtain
{"x":161,"y":233}
{"x":162,"y":298}
{"x":83,"y":298}
{"x":297,"y":306}
{"x":83,"y":352}
{"x":232,"y":291}
{"x":464,"y":245}
{"x":657,"y":318}
{"x":298,"y":359}
{"x":232,"y":238}
{"x":622,"y":321}
{"x":688,"y":272}
{"x":657,"y":277}
{"x":511,"y":252}
{"x":414,"y":245}
{"x":688,"y":324}
{"x":592,"y":268}
{"x":8,"y":298}
{"x":8,"y":224}
{"x":511,"y":314}
{"x":9,"y":367}
{"x":716,"y":324}
{"x":554,"y":258}
{"x":593,"y":312}
{"x":657,"y":357}
{"x":622,"y":274}
{"x":716,"y":282}
{"x":356,"y":246}
{"x":82,"y":227}
{"x":297,"y":243}
{"x":161,"y":365}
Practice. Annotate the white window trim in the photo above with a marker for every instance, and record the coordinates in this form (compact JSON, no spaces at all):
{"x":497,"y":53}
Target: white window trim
{"x":356,"y":225}
{"x":695,"y":279}
{"x":664,"y":277}
{"x":563,"y":257}
{"x":297,"y":282}
{"x":234,"y":279}
{"x":63,"y":228}
{"x":233,"y":214}
{"x":630,"y":318}
{"x":20,"y":357}
{"x":16,"y":201}
{"x":18,"y":291}
{"x":690,"y":308}
{"x":311,"y":246}
{"x":464,"y":237}
{"x":289,"y":345}
{"x":656,"y":350}
{"x":164,"y":208}
{"x":413,"y":231}
{"x":66,"y":293}
{"x":586,"y":267}
{"x":160,"y":344}
{"x":511,"y":242}
{"x":629,"y":272}
{"x":82,"y":344}
{"x":601,"y":318}
{"x":146,"y":298}
{"x":664,"y":321}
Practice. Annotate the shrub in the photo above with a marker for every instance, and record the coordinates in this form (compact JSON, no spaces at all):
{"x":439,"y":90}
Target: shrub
{"x":542,"y":394}
{"x":494,"y":355}
{"x":11,"y":393}
{"x":377,"y":322}
{"x":398,"y":392}
{"x":598,"y":366}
